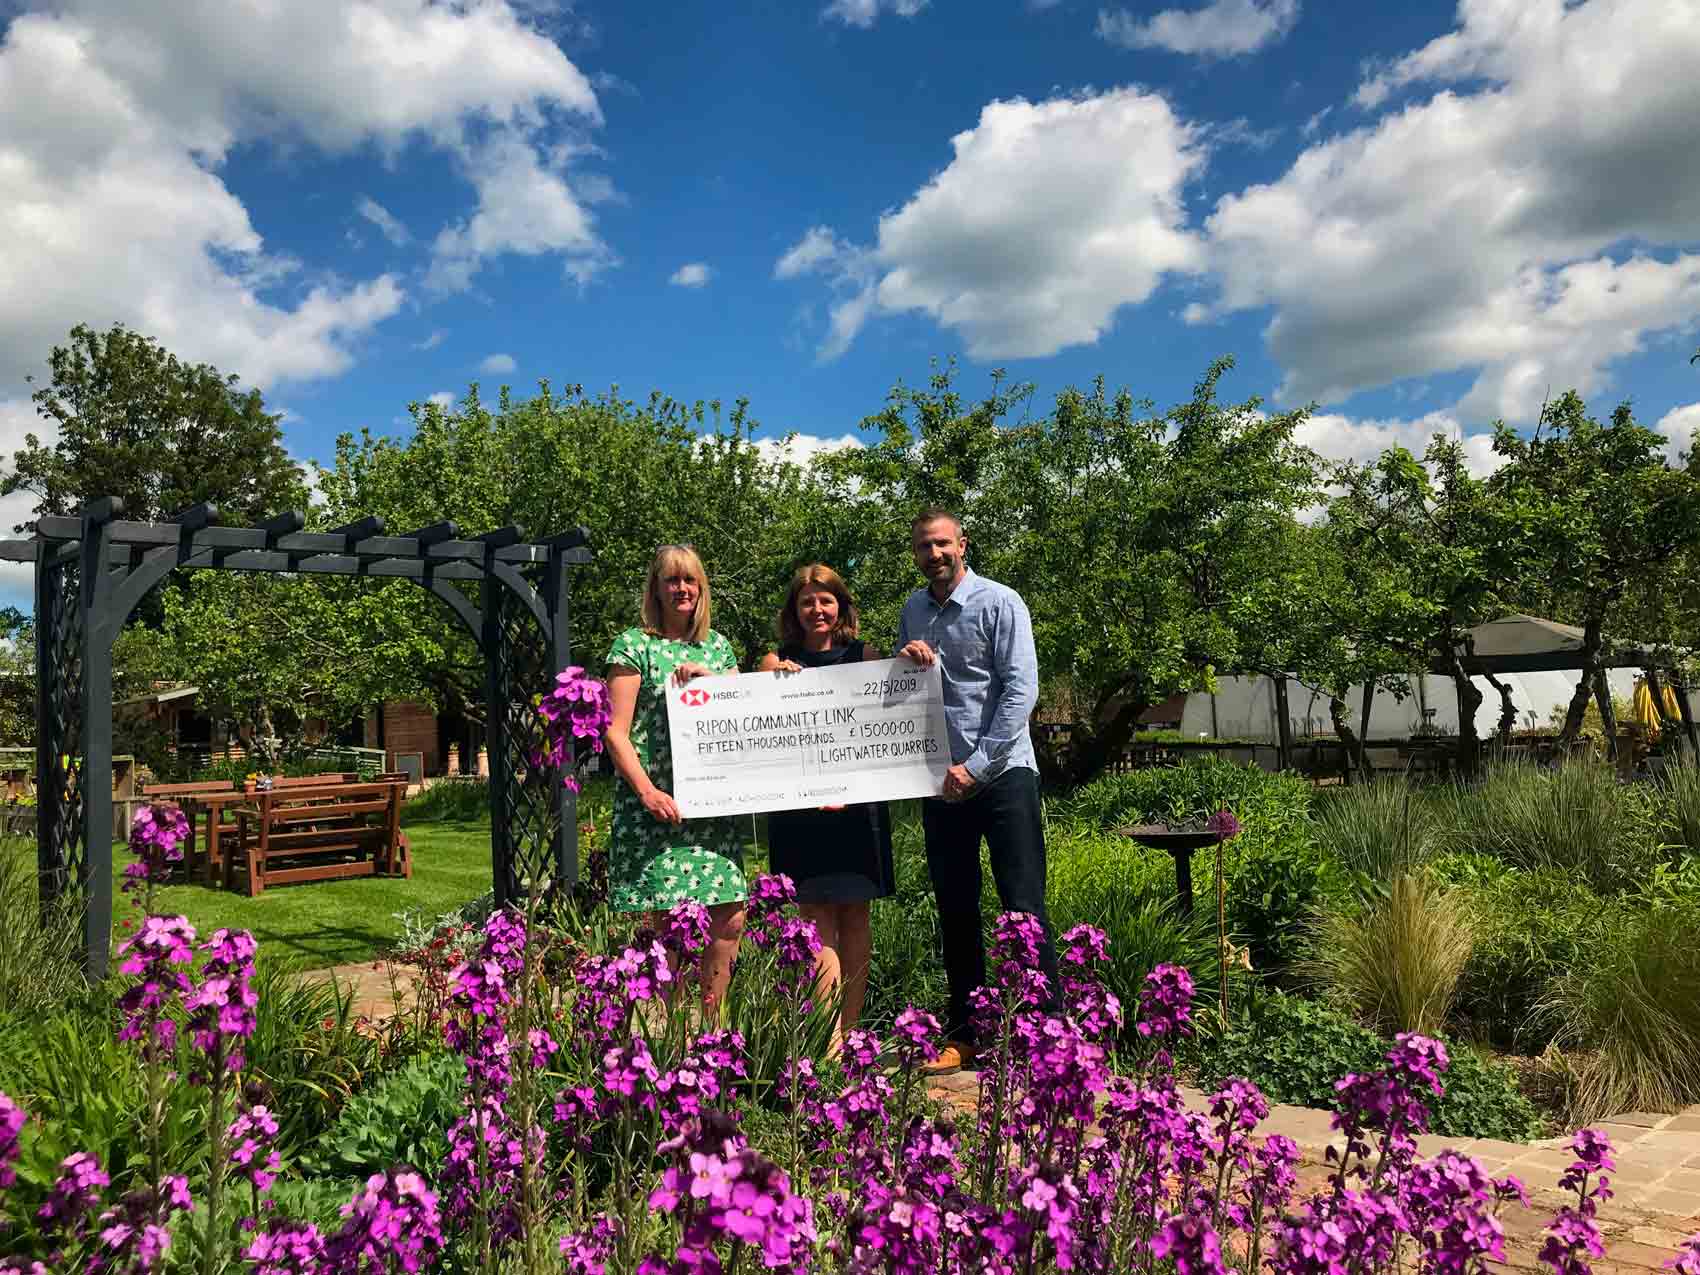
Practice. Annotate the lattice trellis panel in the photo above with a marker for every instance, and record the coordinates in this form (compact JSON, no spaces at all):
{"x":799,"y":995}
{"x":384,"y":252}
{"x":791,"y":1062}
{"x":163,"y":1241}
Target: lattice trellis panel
{"x":60,"y":764}
{"x":529,"y":812}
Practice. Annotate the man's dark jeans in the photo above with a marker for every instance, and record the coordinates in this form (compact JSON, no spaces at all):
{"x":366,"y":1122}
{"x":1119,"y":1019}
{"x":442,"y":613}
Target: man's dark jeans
{"x":1006,"y":813}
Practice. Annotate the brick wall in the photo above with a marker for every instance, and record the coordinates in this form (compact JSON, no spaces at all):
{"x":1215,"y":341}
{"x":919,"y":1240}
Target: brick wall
{"x":412,"y":728}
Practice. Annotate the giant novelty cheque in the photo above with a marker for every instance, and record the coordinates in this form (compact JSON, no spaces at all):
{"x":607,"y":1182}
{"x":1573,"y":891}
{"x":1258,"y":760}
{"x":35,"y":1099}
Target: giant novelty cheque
{"x":749,"y":742}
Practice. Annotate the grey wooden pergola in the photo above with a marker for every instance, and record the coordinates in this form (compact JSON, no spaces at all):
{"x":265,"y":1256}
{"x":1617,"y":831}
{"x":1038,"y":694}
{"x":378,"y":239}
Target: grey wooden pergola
{"x":93,"y":569}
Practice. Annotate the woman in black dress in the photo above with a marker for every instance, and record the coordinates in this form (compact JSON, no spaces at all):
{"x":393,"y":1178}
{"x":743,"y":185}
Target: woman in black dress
{"x":839,"y":856}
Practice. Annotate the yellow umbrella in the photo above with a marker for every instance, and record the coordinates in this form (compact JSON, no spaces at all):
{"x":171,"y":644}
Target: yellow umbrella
{"x":1646,"y":714}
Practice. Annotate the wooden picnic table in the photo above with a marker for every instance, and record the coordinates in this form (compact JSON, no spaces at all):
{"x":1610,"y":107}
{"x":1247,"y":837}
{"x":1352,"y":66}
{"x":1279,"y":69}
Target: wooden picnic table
{"x":306,"y":833}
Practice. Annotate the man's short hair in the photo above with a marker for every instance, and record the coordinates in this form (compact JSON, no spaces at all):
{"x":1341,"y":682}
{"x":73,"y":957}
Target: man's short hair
{"x":934,"y":513}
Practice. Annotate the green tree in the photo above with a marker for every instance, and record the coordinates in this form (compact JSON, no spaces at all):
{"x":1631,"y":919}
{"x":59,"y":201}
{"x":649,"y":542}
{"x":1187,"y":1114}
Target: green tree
{"x":1609,"y":520}
{"x":1435,"y":551}
{"x":134,"y":421}
{"x":1143,"y":544}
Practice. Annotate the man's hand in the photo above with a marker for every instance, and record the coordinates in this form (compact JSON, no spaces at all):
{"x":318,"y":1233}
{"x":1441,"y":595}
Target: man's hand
{"x":958,"y":783}
{"x":918,"y":652}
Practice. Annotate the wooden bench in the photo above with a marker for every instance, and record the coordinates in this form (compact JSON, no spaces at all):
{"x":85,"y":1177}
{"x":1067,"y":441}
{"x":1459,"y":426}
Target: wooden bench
{"x":210,"y":795}
{"x":319,"y":833}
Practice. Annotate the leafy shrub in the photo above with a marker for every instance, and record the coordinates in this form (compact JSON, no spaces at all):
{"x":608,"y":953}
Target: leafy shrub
{"x":904,"y":968}
{"x":1396,"y":960}
{"x":403,"y":1118}
{"x":1379,"y":829}
{"x":461,"y":799}
{"x":1532,"y":928}
{"x":1267,"y":805}
{"x":1273,"y":896}
{"x":1295,"y":1049}
{"x":1577,"y":817}
{"x":1632,"y":1006}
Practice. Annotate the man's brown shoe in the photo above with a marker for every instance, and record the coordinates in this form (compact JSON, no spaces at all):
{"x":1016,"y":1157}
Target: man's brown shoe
{"x":953,"y":1057}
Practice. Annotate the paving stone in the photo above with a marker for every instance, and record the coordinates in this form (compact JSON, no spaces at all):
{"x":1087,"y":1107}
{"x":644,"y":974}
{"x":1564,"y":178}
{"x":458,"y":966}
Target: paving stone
{"x":1633,"y":1256}
{"x":1683,"y":1124}
{"x":1671,"y":1146}
{"x":1658,"y":1236}
{"x":1491,"y":1149}
{"x":1680,"y":1203}
{"x":1542,"y":1162}
{"x":1621,"y":1134}
{"x":1641,"y":1119}
{"x":1684,"y":1180}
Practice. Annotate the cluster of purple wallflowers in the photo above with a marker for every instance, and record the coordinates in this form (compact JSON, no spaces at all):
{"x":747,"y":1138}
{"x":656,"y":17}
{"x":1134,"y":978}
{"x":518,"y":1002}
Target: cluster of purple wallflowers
{"x":575,"y":712}
{"x":157,"y":835}
{"x":1069,"y":1165}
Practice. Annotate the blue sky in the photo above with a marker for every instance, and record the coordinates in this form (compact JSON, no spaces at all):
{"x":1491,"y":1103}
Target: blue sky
{"x":1422,"y":217}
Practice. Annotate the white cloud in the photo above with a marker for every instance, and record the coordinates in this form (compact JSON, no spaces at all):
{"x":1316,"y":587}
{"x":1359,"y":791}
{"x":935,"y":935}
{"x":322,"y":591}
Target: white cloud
{"x":526,"y":207}
{"x":1678,"y":426}
{"x":1347,"y":438}
{"x":497,"y":364}
{"x":864,"y":13}
{"x":802,"y":449}
{"x":693,"y":274}
{"x":1049,"y":218}
{"x":444,"y":399}
{"x":118,"y":121}
{"x":386,"y":221}
{"x":431,"y":342}
{"x":1511,"y":224}
{"x":1224,"y":28}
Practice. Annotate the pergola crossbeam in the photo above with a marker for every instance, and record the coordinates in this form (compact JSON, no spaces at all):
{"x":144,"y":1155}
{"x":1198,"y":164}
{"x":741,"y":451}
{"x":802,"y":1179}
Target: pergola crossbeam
{"x":93,"y":570}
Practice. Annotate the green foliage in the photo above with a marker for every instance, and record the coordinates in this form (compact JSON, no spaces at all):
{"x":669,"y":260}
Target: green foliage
{"x":1395,"y":962}
{"x":133,"y":421}
{"x":1295,"y":1049}
{"x":1678,"y":787}
{"x":1267,"y":805}
{"x":1273,"y":896}
{"x":1577,"y":818}
{"x":457,"y":800}
{"x":1631,"y":1007}
{"x":904,"y":965}
{"x":308,"y":1049}
{"x":402,"y":1118}
{"x":1533,"y":927}
{"x":70,"y":1069}
{"x":1378,"y":829}
{"x":40,"y":957}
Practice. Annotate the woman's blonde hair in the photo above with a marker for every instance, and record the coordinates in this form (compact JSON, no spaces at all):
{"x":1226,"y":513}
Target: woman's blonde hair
{"x":817,"y":575}
{"x":674,"y":560}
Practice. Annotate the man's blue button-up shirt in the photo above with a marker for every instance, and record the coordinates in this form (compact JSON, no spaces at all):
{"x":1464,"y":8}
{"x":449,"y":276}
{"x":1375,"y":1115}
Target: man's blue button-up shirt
{"x":983,"y":637}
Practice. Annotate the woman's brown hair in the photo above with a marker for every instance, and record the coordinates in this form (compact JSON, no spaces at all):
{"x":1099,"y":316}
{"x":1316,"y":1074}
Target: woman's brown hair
{"x":674,"y":560}
{"x":817,"y":575}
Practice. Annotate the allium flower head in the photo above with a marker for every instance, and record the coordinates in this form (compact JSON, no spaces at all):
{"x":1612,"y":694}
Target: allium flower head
{"x":1224,"y":825}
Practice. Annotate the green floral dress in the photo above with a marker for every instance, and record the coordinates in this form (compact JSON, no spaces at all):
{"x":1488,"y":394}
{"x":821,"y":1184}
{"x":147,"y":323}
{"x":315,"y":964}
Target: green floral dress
{"x":653,"y":865}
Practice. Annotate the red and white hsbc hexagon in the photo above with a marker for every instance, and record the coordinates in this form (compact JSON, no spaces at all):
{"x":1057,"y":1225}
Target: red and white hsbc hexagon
{"x":693,"y":697}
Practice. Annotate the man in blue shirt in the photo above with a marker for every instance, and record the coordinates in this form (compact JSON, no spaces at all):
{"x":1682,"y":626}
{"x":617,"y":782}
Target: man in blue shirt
{"x":981,"y":634}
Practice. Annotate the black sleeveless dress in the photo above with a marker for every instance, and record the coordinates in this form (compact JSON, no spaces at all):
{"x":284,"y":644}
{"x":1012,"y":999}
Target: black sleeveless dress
{"x":834,"y":856}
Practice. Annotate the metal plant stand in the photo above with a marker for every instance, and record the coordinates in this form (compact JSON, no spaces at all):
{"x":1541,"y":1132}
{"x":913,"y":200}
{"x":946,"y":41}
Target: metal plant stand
{"x":92,"y":570}
{"x":1180,"y":844}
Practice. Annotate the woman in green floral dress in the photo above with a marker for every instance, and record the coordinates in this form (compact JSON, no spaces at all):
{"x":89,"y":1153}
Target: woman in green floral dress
{"x":655,"y":858}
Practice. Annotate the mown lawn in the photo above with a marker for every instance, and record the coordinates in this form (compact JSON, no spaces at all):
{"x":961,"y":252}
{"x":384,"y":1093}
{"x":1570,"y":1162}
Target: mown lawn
{"x":337,"y":922}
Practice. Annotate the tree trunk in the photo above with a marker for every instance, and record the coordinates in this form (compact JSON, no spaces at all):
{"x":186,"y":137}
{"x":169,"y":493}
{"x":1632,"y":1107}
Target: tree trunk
{"x":1687,"y":711}
{"x":1507,"y":708}
{"x":1363,"y":729}
{"x":1087,"y":757}
{"x":1283,"y":726}
{"x":1590,"y":657}
{"x":1349,"y":746}
{"x":1608,"y":714}
{"x":1469,"y":700}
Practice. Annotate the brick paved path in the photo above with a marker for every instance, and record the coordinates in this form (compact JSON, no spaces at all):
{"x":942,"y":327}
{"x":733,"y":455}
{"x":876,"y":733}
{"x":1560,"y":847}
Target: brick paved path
{"x":1657,"y":1183}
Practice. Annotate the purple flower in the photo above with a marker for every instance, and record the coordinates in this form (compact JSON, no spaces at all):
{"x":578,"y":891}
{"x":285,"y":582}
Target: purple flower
{"x":1687,"y":1259}
{"x":248,"y":1135}
{"x":287,"y":1247}
{"x":576,"y":711}
{"x":76,"y":1191}
{"x":588,"y":1252}
{"x":1224,"y":825}
{"x":133,"y":1234}
{"x":1192,"y":1244}
{"x":914,"y":1033}
{"x":392,"y":1222}
{"x":1165,"y":1002}
{"x":11,"y":1126}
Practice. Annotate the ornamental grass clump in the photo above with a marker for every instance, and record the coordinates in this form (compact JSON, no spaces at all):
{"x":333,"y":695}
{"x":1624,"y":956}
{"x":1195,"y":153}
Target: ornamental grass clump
{"x":1396,"y":961}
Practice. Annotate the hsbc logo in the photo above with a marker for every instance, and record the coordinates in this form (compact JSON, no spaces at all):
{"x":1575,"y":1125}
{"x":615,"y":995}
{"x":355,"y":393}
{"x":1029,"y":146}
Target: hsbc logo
{"x":693,"y":697}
